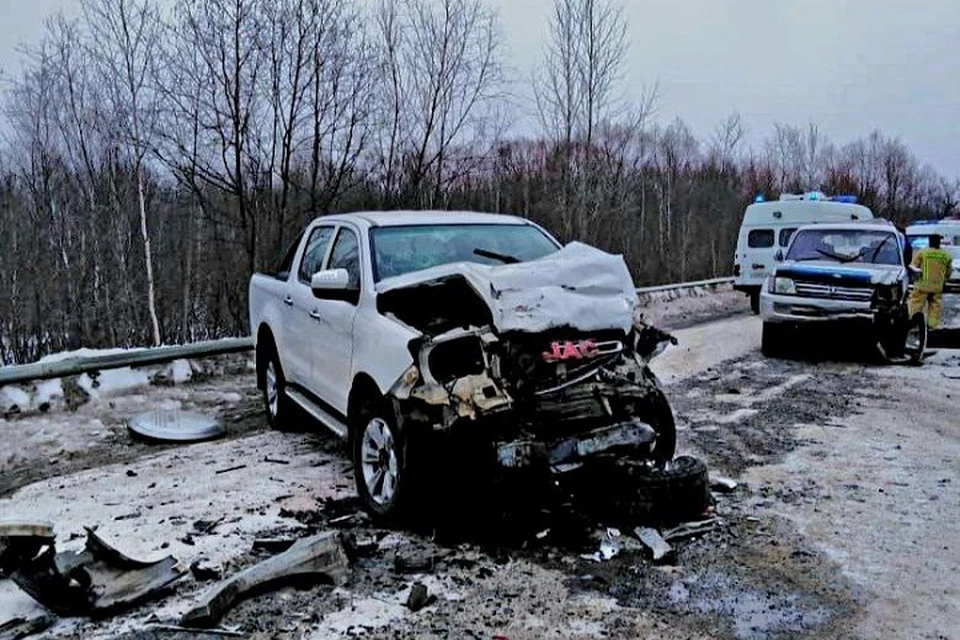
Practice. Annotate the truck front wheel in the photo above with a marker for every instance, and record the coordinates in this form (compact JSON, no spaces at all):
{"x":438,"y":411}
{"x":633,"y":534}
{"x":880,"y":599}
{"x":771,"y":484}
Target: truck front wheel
{"x":380,"y":464}
{"x":772,"y":343}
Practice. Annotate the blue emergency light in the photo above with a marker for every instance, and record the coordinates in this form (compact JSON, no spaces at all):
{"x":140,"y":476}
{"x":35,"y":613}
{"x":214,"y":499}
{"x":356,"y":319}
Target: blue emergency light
{"x":759,"y":198}
{"x":845,"y":199}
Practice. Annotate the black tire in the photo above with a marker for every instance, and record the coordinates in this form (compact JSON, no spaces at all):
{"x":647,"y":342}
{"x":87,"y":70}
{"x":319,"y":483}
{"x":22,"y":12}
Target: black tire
{"x":678,"y":491}
{"x":915,"y":340}
{"x":755,"y":302}
{"x":665,"y":425}
{"x":275,"y":402}
{"x":773,"y":340}
{"x":380,"y":448}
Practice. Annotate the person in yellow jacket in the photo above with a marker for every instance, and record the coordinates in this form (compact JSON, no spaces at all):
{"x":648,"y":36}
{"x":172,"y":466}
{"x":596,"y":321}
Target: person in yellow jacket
{"x":935,"y":265}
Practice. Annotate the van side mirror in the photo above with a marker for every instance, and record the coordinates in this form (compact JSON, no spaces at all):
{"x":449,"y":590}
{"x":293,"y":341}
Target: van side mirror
{"x":779,"y":255}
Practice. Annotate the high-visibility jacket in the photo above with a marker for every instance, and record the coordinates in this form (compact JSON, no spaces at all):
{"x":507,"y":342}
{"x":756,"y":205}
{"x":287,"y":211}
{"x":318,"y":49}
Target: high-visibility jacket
{"x":935,"y":266}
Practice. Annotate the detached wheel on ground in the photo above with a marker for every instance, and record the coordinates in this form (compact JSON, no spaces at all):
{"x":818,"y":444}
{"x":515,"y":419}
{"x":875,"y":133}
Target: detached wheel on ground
{"x":632,"y":492}
{"x":380,"y":468}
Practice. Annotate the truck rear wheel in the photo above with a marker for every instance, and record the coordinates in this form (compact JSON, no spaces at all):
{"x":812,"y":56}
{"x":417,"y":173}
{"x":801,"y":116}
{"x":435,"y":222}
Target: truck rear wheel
{"x":275,"y":399}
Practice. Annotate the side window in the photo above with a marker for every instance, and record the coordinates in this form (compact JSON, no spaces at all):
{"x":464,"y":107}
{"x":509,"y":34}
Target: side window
{"x":315,"y":252}
{"x":282,"y":272}
{"x":346,"y":255}
{"x":785,"y":235}
{"x":760,"y":238}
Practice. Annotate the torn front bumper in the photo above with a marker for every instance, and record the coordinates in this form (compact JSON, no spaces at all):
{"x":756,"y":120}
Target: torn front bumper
{"x":571,"y":452}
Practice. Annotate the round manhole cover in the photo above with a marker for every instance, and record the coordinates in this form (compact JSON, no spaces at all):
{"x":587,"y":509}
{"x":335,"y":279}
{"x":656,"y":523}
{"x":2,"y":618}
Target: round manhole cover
{"x":175,"y":425}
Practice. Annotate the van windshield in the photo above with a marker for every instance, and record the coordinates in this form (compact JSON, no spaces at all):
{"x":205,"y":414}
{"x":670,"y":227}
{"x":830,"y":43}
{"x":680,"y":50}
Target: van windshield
{"x":845,"y":246}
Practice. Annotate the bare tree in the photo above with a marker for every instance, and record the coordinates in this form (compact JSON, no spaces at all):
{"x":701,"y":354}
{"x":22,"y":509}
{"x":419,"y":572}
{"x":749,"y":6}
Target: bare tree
{"x":124,"y":41}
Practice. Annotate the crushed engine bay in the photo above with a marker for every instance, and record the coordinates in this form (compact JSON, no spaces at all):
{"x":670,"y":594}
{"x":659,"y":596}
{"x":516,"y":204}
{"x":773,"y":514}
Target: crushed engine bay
{"x":547,"y":357}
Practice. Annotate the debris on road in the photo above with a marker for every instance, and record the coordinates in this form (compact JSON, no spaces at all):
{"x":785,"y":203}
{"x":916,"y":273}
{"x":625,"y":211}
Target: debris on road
{"x":20,"y":542}
{"x":98,"y":581}
{"x":413,"y":563}
{"x":175,"y":425}
{"x":721,"y":484}
{"x":273,"y":545}
{"x":218,"y":631}
{"x":22,"y":627}
{"x":229,"y":469}
{"x":654,"y":541}
{"x":203,"y":570}
{"x":419,"y":597}
{"x":319,"y":555}
{"x":275,"y":460}
{"x":689,"y":529}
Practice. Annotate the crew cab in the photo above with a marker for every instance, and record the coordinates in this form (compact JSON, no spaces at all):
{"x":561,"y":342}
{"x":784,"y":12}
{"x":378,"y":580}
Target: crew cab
{"x":425,"y":338}
{"x":836,"y":274}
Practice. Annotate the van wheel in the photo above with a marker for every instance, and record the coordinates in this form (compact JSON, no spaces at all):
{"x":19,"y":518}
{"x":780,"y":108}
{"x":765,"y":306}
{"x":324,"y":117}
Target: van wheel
{"x":773,"y":340}
{"x":916,"y":339}
{"x":755,"y":302}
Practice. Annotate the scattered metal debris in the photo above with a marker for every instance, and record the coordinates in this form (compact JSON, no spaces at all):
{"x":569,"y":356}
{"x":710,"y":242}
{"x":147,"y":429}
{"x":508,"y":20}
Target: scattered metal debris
{"x":22,"y":627}
{"x":652,"y":538}
{"x":275,"y":460}
{"x":203,"y":570}
{"x":175,"y":425}
{"x":219,"y":631}
{"x":413,"y":563}
{"x":273,"y":545}
{"x":721,"y":484}
{"x":98,"y":581}
{"x":20,"y":542}
{"x":319,"y":555}
{"x":689,"y":529}
{"x":229,"y":469}
{"x":419,"y":597}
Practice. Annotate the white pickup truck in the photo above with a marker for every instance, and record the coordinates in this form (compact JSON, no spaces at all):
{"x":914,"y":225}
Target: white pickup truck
{"x":430,"y":338}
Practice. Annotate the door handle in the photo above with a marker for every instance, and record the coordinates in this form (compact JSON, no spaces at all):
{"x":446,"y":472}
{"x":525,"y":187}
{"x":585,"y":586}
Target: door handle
{"x":316,"y":315}
{"x":758,"y":266}
{"x":288,"y":301}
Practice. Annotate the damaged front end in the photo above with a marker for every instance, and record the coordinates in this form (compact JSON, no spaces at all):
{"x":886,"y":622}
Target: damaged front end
{"x":556,"y":397}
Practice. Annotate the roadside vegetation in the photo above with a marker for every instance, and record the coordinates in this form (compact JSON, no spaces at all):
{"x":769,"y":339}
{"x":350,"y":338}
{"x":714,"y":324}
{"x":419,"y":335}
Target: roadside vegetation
{"x":153,"y":158}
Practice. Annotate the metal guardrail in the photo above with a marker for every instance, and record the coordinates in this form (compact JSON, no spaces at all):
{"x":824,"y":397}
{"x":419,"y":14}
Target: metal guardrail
{"x":685,"y":285}
{"x":132,"y":358}
{"x":143,"y":357}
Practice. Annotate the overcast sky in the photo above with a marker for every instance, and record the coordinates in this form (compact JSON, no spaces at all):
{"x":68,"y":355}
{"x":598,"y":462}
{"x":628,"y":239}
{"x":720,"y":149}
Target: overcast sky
{"x":850,"y":66}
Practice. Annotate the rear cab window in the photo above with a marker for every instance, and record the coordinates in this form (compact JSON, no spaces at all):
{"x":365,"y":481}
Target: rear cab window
{"x":761,"y":238}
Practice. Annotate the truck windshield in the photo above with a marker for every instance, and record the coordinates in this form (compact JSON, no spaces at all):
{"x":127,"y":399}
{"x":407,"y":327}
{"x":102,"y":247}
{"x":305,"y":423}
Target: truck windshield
{"x":403,"y":249}
{"x":845,"y":246}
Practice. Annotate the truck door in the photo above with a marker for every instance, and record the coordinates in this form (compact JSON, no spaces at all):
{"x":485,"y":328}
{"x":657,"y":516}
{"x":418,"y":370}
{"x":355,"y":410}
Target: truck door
{"x":333,"y":327}
{"x":299,"y":327}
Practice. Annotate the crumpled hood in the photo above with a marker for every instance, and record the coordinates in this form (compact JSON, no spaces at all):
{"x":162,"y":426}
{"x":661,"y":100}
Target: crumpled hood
{"x":580,"y":287}
{"x":830,"y":272}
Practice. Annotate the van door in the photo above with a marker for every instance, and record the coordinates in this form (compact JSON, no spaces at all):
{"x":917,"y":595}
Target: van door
{"x":760,"y":247}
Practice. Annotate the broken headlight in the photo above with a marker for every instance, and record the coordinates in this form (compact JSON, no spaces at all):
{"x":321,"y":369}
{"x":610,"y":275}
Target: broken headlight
{"x":887,"y":293}
{"x":457,"y":359}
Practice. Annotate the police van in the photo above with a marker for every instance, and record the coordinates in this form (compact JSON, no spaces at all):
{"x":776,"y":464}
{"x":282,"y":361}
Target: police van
{"x":768,"y":226}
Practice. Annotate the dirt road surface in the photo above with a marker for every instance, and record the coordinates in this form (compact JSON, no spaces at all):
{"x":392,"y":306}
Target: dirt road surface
{"x":844,"y":524}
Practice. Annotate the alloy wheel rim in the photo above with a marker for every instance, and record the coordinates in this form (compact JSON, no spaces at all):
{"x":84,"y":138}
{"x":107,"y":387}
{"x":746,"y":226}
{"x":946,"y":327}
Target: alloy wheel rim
{"x":378,"y":462}
{"x":273,"y":392}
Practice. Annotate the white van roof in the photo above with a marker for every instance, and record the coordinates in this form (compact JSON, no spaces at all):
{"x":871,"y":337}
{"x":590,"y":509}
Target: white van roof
{"x":796,"y":210}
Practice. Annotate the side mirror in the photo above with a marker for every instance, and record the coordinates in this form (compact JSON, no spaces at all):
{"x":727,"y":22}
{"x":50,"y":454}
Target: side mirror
{"x":779,"y":255}
{"x":333,"y":284}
